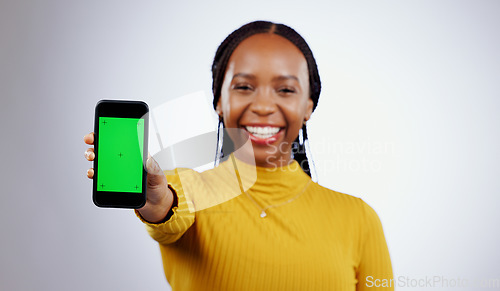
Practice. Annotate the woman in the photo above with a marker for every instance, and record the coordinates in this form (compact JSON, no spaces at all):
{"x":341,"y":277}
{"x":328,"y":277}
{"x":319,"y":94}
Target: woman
{"x":282,"y":231}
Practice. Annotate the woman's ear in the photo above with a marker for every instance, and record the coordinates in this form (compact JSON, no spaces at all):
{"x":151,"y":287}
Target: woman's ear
{"x":218,"y":108}
{"x":309,"y":109}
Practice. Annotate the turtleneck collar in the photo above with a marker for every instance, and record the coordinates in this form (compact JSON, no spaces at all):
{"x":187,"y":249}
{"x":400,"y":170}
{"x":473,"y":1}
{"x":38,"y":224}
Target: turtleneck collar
{"x":273,"y":184}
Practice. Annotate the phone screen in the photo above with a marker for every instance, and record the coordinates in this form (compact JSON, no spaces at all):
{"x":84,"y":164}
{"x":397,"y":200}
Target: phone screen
{"x":120,"y":151}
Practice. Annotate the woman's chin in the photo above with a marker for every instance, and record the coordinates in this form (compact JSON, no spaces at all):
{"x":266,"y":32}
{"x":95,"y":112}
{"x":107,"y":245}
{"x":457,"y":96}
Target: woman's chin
{"x":266,"y":159}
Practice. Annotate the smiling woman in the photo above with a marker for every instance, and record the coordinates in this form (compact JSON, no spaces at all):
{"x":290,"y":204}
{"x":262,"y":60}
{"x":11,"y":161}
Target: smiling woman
{"x":281,"y":231}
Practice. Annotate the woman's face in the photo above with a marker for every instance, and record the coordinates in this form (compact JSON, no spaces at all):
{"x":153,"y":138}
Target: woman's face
{"x":265,"y":93}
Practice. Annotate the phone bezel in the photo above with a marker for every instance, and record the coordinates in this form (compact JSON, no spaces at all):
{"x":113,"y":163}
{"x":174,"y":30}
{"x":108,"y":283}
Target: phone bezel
{"x":124,"y":109}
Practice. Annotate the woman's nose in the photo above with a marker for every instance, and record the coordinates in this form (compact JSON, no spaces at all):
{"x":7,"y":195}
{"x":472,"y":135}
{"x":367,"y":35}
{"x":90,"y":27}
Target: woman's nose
{"x":263,"y":103}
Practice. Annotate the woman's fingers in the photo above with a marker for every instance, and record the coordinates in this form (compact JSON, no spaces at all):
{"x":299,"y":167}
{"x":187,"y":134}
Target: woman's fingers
{"x":89,"y":138}
{"x":90,"y":173}
{"x":89,"y":154}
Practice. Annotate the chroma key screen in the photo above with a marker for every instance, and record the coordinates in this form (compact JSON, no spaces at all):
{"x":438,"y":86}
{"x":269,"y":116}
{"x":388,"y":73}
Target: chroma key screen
{"x":120,"y":148}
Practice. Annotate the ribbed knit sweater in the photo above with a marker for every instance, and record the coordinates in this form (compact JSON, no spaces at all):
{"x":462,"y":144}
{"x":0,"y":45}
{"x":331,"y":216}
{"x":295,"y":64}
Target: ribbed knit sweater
{"x":312,"y":238}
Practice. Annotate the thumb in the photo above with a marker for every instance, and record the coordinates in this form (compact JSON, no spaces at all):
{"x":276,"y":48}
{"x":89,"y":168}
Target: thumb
{"x":155,"y":174}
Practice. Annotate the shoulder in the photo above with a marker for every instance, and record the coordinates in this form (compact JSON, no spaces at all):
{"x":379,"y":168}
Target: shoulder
{"x":346,"y":204}
{"x":336,"y":197}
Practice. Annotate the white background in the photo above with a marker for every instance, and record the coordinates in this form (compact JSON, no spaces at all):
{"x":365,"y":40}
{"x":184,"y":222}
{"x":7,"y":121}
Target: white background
{"x":420,"y":78}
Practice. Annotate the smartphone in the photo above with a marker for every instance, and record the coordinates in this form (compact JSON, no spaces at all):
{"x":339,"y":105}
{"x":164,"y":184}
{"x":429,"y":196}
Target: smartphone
{"x":120,"y":147}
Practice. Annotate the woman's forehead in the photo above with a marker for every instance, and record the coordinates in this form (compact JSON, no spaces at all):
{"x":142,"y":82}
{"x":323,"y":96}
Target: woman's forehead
{"x":267,"y":52}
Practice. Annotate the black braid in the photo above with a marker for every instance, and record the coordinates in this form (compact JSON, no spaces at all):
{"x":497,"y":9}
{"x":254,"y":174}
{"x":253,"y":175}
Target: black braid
{"x":299,"y":151}
{"x":226,"y":49}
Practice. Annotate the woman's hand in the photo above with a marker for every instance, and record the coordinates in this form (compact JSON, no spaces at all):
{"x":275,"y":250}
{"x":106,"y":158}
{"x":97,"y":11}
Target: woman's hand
{"x":159,"y":196}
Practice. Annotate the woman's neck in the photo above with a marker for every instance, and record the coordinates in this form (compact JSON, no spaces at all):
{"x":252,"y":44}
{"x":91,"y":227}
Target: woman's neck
{"x":266,"y":162}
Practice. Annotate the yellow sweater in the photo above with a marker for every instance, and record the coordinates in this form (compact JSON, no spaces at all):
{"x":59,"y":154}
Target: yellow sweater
{"x":320,"y":240}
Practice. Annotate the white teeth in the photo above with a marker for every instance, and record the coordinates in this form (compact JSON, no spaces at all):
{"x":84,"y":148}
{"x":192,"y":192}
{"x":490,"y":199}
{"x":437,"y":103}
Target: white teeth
{"x":263,"y":132}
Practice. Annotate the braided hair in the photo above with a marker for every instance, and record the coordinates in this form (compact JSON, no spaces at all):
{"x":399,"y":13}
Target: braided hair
{"x":219,"y":66}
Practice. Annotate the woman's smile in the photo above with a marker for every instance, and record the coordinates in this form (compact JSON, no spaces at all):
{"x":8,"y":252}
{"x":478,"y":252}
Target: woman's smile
{"x":264,"y":134}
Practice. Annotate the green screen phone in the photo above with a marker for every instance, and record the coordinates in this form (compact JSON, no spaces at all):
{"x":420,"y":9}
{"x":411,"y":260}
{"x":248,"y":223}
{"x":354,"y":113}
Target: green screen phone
{"x":120,"y":146}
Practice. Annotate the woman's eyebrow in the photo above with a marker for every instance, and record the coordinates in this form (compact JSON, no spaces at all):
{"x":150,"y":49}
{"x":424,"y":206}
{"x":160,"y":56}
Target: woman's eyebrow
{"x":285,"y":77}
{"x":277,"y":78}
{"x":244,"y":75}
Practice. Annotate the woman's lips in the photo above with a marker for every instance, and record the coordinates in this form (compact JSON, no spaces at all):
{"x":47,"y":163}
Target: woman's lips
{"x":264,"y":134}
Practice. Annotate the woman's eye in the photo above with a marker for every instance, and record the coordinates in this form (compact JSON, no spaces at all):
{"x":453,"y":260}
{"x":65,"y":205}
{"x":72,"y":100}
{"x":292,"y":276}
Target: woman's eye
{"x":287,"y":90}
{"x":242,"y":87}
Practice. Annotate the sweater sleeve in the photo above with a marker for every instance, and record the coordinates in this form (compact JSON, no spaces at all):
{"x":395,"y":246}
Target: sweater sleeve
{"x":375,"y":269}
{"x":180,"y":217}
